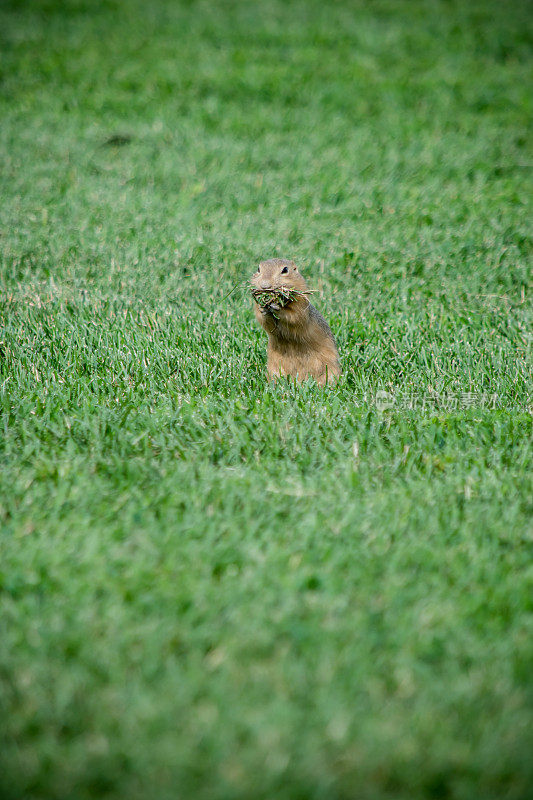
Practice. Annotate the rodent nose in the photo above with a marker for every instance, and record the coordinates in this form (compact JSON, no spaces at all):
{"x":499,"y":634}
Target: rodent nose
{"x":265,"y":284}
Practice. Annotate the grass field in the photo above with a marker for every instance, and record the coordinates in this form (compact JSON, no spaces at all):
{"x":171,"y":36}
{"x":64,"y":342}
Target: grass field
{"x":210,"y":587}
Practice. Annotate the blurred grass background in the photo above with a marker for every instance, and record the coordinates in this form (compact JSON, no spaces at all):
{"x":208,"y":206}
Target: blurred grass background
{"x":210,"y":587}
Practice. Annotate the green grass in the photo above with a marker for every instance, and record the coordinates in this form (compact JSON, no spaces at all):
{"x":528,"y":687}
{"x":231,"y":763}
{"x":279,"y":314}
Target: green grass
{"x":211,"y":587}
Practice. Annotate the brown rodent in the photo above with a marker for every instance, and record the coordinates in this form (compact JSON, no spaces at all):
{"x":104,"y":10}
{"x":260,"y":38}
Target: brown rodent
{"x":300,"y":342}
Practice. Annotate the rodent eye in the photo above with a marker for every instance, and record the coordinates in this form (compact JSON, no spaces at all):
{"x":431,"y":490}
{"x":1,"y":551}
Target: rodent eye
{"x":284,"y":271}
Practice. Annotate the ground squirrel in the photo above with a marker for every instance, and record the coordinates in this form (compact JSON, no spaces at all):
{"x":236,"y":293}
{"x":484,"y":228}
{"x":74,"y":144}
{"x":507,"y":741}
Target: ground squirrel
{"x":300,"y":342}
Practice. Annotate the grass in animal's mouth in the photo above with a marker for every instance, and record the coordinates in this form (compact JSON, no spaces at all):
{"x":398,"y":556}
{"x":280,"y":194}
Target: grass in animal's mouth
{"x":279,"y":297}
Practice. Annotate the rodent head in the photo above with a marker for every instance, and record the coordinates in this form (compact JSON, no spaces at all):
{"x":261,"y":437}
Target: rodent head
{"x":276,"y":273}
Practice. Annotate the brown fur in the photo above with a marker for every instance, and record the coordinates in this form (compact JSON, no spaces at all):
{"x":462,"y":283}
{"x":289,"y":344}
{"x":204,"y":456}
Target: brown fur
{"x":300,"y":342}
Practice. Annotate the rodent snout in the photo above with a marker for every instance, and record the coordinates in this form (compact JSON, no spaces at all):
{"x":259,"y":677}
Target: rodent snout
{"x":264,"y":284}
